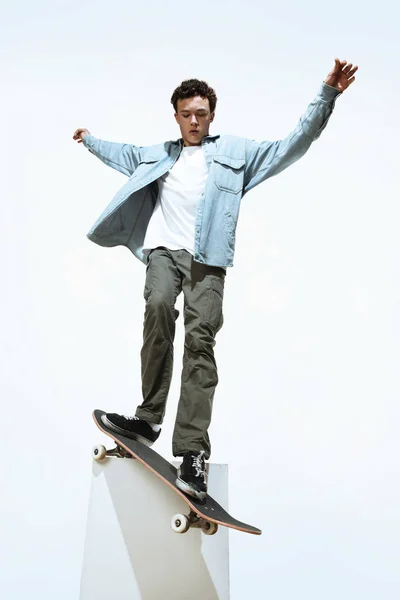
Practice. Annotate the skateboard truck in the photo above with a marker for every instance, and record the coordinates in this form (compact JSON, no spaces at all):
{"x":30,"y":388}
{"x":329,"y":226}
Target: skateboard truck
{"x":99,"y":452}
{"x":182,"y":523}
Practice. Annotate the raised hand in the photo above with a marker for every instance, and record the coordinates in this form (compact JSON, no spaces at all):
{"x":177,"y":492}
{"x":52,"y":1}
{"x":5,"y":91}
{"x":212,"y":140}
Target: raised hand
{"x":342,"y":75}
{"x":80,"y":134}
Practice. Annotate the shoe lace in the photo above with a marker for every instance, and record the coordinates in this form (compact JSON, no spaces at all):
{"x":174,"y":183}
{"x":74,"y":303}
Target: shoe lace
{"x":128,"y":418}
{"x":198,"y":464}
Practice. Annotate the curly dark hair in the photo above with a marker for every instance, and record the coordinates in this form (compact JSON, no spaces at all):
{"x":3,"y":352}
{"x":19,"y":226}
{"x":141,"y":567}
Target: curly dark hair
{"x":193,"y":87}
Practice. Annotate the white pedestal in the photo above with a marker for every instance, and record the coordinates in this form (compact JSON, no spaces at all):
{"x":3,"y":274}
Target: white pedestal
{"x":131,"y":552}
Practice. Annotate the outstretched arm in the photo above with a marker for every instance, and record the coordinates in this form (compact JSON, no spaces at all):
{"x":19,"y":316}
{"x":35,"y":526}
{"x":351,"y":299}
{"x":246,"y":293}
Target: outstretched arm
{"x":266,"y":159}
{"x":122,"y":157}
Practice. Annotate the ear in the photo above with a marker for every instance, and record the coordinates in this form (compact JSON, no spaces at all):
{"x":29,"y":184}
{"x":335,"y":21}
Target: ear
{"x":212,"y":117}
{"x":176,"y":117}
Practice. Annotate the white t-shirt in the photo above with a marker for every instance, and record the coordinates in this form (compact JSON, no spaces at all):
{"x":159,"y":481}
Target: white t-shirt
{"x":172,"y":223}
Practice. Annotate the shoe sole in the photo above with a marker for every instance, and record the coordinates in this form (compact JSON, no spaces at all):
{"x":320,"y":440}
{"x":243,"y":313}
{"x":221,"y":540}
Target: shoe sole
{"x":187,"y":489}
{"x":129,"y":434}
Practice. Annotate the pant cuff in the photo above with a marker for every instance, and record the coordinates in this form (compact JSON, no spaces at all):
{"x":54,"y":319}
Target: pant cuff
{"x":148,"y":416}
{"x":193,"y":448}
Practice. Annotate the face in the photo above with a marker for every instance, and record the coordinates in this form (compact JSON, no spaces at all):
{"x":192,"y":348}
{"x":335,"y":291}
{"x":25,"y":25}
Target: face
{"x":194,"y":118}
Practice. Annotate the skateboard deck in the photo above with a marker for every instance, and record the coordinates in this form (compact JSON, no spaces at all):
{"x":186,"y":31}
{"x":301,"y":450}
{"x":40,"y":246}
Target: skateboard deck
{"x":206,"y":514}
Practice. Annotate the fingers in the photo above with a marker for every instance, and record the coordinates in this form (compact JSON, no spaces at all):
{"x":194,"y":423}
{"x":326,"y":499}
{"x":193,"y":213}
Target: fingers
{"x":347,"y":68}
{"x":349,"y":71}
{"x":78,"y":134}
{"x":337,"y":66}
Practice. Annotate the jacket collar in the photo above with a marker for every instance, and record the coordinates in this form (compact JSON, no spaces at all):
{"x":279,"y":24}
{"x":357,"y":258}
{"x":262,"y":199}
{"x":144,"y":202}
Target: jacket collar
{"x":206,"y":137}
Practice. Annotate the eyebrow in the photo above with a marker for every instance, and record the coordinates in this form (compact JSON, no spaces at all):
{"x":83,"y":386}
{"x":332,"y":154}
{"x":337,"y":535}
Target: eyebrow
{"x":198,"y":110}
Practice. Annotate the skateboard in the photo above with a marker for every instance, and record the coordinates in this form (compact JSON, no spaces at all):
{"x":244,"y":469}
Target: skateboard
{"x":205,"y":514}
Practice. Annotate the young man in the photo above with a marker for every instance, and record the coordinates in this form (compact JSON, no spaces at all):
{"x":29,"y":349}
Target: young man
{"x":178,"y":214}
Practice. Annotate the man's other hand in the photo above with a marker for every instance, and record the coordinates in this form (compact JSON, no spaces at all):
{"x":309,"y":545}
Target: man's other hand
{"x":80,"y":134}
{"x":342,"y":75}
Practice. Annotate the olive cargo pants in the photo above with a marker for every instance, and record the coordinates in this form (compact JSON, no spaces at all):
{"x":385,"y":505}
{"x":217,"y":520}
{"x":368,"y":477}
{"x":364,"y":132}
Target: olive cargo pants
{"x":169,"y":272}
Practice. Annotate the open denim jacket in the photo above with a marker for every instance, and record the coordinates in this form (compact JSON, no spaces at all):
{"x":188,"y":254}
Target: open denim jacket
{"x":236,"y":165}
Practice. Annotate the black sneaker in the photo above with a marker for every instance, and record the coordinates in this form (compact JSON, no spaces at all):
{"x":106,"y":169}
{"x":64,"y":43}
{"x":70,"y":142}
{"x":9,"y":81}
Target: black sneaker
{"x":192,"y":476}
{"x":132,"y":427}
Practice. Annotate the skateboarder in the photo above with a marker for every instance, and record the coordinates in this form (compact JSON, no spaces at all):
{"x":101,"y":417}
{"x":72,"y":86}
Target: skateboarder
{"x":178,"y":214}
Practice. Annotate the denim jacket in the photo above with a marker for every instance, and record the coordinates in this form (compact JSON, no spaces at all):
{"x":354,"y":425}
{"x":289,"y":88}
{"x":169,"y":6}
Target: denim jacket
{"x":236,"y":165}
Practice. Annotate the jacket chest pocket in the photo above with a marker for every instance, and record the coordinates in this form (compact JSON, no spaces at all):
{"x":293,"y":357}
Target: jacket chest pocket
{"x":229,"y":173}
{"x":145,"y":166}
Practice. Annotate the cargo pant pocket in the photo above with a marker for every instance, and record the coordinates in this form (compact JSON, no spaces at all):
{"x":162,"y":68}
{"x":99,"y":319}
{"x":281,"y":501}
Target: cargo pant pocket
{"x":213,"y":314}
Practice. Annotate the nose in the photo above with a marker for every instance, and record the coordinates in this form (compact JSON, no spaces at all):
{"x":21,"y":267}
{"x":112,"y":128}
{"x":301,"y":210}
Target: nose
{"x":193,"y":120}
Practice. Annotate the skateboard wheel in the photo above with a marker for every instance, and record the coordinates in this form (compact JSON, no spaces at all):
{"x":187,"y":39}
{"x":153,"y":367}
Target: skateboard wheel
{"x":209,"y":528}
{"x":180,"y":523}
{"x":99,"y":452}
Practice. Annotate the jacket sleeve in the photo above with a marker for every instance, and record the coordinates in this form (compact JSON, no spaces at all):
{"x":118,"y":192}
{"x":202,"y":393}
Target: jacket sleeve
{"x":266,"y":159}
{"x":122,"y":157}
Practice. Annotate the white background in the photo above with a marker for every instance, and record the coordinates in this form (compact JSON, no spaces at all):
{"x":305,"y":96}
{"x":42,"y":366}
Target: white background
{"x":306,"y":412}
